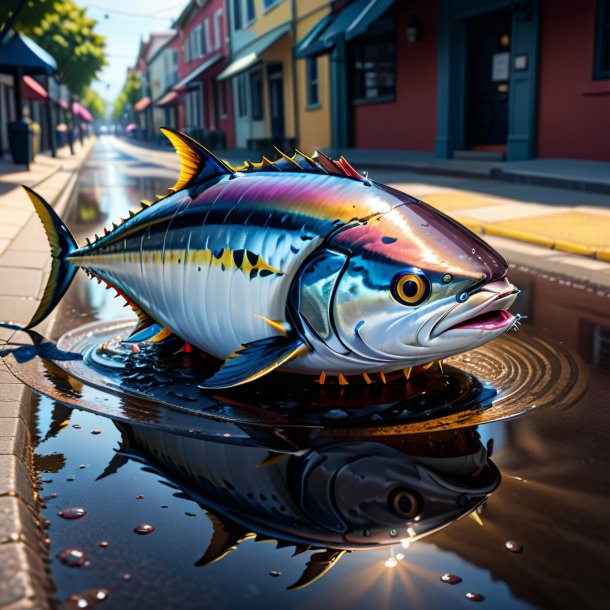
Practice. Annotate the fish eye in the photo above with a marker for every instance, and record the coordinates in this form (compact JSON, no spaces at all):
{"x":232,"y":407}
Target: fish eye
{"x":404,"y":503}
{"x":410,"y":288}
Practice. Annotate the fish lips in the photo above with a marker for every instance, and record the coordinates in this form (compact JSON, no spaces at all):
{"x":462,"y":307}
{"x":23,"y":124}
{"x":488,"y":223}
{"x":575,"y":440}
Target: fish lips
{"x":485,"y":311}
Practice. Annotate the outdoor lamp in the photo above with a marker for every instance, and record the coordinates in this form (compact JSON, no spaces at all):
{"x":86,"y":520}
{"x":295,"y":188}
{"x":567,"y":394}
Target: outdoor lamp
{"x":414,"y":30}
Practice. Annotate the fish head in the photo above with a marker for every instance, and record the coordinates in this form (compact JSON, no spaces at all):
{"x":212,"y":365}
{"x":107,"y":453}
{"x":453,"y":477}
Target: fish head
{"x":373,"y":494}
{"x":416,"y":286}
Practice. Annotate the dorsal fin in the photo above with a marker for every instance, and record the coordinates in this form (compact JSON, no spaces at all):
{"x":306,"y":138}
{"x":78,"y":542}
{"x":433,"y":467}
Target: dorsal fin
{"x":196,"y":161}
{"x":226,"y":536}
{"x":318,"y":564}
{"x":330,"y":165}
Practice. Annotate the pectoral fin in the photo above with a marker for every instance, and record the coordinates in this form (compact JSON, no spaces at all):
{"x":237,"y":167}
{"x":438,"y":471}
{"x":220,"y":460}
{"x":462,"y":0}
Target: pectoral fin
{"x":255,"y":359}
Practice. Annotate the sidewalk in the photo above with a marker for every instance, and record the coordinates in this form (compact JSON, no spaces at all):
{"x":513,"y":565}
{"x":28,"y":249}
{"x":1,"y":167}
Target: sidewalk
{"x":24,"y":262}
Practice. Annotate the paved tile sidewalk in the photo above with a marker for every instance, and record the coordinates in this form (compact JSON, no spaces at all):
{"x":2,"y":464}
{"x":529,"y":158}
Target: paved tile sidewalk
{"x":24,"y":262}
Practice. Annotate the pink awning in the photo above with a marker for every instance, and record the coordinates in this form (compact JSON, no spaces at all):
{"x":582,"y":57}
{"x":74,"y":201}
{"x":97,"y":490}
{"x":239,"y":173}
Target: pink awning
{"x":170,"y":98}
{"x":63,"y":104}
{"x":33,"y":90}
{"x":142,"y":105}
{"x":81,"y":112}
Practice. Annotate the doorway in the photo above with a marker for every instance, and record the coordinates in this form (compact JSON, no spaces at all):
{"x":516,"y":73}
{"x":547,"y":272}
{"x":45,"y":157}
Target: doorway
{"x":488,"y":67}
{"x":276,"y":101}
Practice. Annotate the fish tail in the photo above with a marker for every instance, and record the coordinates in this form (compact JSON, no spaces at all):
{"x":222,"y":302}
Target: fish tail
{"x":62,"y":245}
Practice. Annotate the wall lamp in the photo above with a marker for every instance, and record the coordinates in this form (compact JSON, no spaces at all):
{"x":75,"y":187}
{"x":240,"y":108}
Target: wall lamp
{"x":414,"y":30}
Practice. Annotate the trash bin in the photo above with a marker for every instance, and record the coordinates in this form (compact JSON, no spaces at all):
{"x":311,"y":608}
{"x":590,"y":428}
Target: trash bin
{"x":20,"y":142}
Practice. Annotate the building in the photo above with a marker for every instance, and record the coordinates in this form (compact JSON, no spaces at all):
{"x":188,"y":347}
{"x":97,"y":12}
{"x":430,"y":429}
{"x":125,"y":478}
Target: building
{"x":162,"y":70}
{"x":206,"y":103}
{"x":261,"y":73}
{"x":500,"y":79}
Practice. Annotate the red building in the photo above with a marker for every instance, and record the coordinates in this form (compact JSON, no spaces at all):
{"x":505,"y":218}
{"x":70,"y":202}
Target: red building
{"x":500,"y":79}
{"x":205,"y":108}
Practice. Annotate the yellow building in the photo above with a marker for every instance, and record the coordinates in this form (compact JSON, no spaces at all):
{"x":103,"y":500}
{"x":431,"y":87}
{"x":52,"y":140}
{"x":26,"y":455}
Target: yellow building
{"x":271,"y":107}
{"x":313,"y":80}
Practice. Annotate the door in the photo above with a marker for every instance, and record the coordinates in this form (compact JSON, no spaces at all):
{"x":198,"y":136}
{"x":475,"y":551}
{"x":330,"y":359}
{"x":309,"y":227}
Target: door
{"x":276,"y":101}
{"x":489,"y":71}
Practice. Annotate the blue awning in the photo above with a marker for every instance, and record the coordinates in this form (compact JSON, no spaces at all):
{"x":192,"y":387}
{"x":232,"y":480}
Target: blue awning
{"x":351,"y":21}
{"x":250,"y":54}
{"x":19,"y":53}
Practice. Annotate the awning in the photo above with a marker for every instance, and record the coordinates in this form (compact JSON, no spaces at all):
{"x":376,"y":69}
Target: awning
{"x":63,"y":104}
{"x":142,"y":105}
{"x":197,"y":72}
{"x":250,"y":54}
{"x":19,"y":53}
{"x":81,"y":112}
{"x":168,"y":99}
{"x":351,"y":21}
{"x":33,"y":90}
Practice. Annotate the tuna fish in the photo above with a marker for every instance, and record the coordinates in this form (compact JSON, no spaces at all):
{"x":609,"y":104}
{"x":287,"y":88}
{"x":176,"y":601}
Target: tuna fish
{"x":301,"y":264}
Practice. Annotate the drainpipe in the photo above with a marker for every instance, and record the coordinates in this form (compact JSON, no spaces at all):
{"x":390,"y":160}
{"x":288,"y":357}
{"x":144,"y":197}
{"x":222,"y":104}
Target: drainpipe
{"x":295,"y":88}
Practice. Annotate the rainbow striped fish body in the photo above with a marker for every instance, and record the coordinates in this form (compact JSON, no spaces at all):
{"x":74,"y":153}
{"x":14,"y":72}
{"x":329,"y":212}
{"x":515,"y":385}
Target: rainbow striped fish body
{"x":300,"y":263}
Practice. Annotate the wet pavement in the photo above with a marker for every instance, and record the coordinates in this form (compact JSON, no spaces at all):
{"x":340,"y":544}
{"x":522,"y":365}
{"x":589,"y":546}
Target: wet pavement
{"x":174,"y":521}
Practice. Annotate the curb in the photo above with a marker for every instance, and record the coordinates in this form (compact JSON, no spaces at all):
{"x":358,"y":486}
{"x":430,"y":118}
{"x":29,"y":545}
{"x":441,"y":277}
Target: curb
{"x":25,"y":580}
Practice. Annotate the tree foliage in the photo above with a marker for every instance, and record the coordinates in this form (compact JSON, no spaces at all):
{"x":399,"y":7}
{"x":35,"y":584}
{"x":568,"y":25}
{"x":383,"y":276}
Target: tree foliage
{"x":69,"y":36}
{"x":31,"y":13}
{"x":130,"y":94}
{"x":91,"y":100}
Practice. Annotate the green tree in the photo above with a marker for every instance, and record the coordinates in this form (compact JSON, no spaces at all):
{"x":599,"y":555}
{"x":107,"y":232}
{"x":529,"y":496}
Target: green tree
{"x":130,"y":94}
{"x":91,"y":100}
{"x":22,"y":15}
{"x":69,"y":36}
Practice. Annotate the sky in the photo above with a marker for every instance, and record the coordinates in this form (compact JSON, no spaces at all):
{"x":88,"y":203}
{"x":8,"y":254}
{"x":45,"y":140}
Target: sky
{"x":124,"y":23}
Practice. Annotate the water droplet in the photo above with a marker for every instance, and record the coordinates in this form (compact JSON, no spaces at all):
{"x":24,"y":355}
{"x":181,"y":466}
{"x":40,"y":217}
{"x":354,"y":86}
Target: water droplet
{"x":163,"y":505}
{"x":73,"y":558}
{"x":143,"y":529}
{"x":76,"y":426}
{"x":88,"y":599}
{"x":103,"y":544}
{"x":82,"y":466}
{"x":96,"y":431}
{"x":139,"y":497}
{"x":74,"y":512}
{"x":475,"y":597}
{"x":126,"y":576}
{"x":275,"y":573}
{"x":49,"y":497}
{"x":474,"y":251}
{"x":70,"y":479}
{"x":451,"y":579}
{"x":513,"y":547}
{"x":190,"y":514}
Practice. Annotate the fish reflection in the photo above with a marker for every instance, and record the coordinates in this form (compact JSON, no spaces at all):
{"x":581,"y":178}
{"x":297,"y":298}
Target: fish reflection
{"x":331,"y":497}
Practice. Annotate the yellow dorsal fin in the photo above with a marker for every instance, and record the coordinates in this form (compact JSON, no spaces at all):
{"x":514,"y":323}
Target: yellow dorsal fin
{"x":196,"y":161}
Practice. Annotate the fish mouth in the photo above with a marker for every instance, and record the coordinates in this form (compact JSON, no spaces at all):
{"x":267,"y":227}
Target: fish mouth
{"x":484,"y":310}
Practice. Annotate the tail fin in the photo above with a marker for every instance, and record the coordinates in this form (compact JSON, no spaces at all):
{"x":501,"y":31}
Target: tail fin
{"x":62,"y":244}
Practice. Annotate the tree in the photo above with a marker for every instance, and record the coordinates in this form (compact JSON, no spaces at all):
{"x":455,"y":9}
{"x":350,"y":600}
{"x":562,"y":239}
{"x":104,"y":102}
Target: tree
{"x":130,"y":94}
{"x":22,"y":15}
{"x":69,"y":36}
{"x":91,"y":100}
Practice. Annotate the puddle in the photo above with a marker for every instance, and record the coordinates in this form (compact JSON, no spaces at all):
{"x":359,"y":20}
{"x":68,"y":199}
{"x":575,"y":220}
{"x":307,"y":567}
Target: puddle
{"x":203,"y":504}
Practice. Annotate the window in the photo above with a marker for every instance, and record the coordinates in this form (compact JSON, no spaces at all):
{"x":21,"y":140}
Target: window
{"x":221,"y":98}
{"x":250,"y":13}
{"x":256,"y":93}
{"x":237,"y":22}
{"x":313,"y":94}
{"x":207,"y":43}
{"x":601,"y":68}
{"x":218,"y":29}
{"x":242,"y":102}
{"x":375,"y":69}
{"x":187,"y":49}
{"x":268,"y":4}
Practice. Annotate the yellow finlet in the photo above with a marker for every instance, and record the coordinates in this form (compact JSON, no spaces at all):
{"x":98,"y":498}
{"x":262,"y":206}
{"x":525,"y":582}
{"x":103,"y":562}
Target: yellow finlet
{"x":476,"y":518}
{"x":382,"y":376}
{"x":367,"y":379}
{"x":342,"y":379}
{"x":277,"y":324}
{"x":407,"y":373}
{"x":440,"y":366}
{"x":322,"y":378}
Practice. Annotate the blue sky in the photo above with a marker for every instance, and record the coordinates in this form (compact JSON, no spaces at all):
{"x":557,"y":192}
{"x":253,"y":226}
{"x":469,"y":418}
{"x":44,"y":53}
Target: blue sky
{"x":124,"y":23}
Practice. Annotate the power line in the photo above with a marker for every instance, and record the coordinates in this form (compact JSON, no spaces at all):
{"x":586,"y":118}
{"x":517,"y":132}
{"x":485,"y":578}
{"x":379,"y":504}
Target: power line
{"x":108,"y":11}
